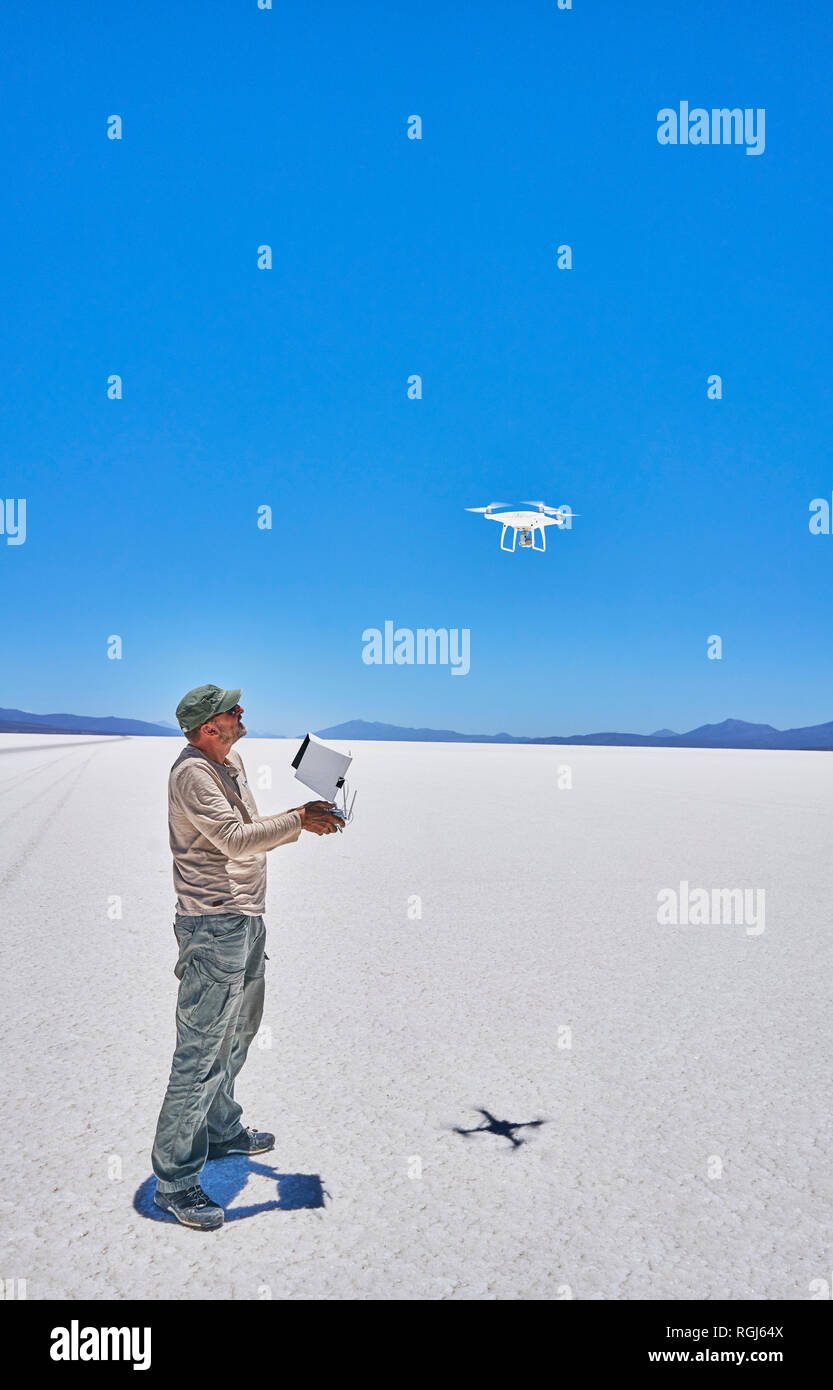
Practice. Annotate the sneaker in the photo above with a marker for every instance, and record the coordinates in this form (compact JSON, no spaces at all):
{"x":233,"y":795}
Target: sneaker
{"x":248,"y":1141}
{"x":192,"y":1207}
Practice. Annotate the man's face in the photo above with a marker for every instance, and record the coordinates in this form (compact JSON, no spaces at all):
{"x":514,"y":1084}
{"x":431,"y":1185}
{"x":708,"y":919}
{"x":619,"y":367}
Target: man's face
{"x":230,"y":725}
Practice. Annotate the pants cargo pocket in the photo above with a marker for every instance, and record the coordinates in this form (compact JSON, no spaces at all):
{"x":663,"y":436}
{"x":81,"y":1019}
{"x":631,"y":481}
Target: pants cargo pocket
{"x":203,"y":1003}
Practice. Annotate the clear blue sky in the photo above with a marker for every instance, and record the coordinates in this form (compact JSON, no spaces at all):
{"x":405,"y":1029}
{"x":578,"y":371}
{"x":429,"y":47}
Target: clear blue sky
{"x":391,"y":257}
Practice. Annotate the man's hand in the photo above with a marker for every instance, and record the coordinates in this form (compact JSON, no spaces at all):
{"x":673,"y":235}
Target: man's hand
{"x":317,"y":817}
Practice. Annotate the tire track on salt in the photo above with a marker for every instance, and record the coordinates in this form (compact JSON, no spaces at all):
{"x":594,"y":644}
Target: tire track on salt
{"x":35,"y":840}
{"x":10,"y":783}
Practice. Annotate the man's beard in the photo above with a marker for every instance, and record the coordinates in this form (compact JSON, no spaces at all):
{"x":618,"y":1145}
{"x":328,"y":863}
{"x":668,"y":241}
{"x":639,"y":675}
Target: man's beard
{"x":239,"y":731}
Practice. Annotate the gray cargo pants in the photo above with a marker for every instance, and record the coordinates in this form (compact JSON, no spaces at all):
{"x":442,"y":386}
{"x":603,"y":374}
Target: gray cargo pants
{"x":218,"y":1012}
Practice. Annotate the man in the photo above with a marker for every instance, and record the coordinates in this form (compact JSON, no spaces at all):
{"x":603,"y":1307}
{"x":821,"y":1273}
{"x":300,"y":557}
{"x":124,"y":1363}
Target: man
{"x":219,"y":845}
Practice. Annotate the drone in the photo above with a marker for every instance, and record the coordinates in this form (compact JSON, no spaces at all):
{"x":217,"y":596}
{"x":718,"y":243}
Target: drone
{"x":526,"y":525}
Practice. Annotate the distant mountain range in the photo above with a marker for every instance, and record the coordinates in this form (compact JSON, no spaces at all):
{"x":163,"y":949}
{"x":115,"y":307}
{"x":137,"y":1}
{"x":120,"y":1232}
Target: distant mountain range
{"x":732,"y":733}
{"x":20,"y":721}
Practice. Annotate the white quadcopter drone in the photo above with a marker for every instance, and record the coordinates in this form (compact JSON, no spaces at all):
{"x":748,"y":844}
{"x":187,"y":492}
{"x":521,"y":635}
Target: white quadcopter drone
{"x":525,"y":525}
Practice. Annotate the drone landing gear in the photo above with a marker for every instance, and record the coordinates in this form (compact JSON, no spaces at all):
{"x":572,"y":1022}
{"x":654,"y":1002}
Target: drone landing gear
{"x":543,"y":544}
{"x":503,"y":537}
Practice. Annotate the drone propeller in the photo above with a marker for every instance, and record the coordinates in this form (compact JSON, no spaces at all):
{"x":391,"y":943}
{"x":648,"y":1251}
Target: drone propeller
{"x":553,"y":511}
{"x":490,"y":507}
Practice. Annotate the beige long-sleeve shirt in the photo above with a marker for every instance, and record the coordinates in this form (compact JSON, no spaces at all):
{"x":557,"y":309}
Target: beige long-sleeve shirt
{"x":218,"y":840}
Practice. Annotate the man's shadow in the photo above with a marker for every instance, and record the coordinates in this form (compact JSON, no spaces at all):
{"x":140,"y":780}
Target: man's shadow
{"x":225,"y":1178}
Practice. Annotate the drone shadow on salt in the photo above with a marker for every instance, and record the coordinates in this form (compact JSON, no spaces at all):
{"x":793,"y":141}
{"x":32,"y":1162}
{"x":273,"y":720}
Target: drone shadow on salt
{"x":505,"y":1129}
{"x":224,"y":1179}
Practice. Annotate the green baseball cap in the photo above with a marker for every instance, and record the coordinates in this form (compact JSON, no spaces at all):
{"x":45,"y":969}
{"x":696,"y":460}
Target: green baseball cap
{"x":202,"y":703}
